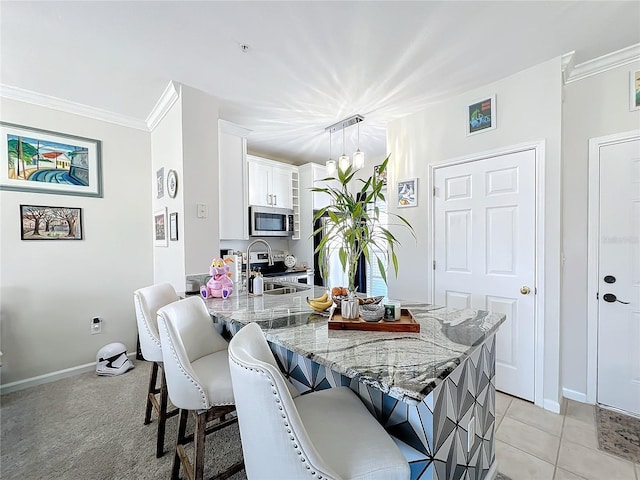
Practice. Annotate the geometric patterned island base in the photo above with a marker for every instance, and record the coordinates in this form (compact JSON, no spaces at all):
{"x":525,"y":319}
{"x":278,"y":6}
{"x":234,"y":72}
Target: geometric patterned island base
{"x":432,"y":435}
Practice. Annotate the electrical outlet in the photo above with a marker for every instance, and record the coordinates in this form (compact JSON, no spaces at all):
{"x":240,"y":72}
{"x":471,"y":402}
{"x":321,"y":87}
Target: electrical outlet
{"x":96,"y":325}
{"x":471,"y":433}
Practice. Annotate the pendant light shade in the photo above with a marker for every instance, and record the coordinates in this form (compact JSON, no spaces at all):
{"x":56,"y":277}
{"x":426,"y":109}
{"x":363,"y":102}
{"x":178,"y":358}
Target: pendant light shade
{"x":344,"y":161}
{"x":358,"y":157}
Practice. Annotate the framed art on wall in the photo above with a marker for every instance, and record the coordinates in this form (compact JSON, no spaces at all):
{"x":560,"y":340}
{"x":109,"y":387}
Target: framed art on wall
{"x":173,"y":226}
{"x":481,"y":115}
{"x":408,"y":193}
{"x":160,"y":183}
{"x":35,"y":160}
{"x":160,"y":227}
{"x":634,"y":90}
{"x":38,"y":222}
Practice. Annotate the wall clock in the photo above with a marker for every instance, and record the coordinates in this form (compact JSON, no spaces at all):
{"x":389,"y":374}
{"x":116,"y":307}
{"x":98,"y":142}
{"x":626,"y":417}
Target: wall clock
{"x":172,"y":183}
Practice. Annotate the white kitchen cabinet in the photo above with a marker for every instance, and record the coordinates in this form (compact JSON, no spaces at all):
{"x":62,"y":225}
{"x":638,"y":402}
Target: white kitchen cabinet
{"x":320,"y":199}
{"x":270,"y":183}
{"x":233,"y":181}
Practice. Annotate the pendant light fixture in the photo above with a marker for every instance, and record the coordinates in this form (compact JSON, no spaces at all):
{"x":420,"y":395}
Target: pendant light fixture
{"x":330,"y":164}
{"x":344,"y":161}
{"x":358,"y":157}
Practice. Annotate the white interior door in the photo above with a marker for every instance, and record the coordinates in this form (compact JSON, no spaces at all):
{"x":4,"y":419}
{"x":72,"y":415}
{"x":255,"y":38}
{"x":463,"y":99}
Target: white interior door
{"x":484,"y":251}
{"x":619,"y":277}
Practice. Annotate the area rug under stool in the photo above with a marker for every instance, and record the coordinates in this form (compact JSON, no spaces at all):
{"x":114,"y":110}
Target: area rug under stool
{"x":618,"y":434}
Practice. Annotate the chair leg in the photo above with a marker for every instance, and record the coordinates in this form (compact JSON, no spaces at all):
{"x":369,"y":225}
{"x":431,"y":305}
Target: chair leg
{"x":153,"y":376}
{"x":182,"y":427}
{"x":198,"y":446}
{"x":162,"y":414}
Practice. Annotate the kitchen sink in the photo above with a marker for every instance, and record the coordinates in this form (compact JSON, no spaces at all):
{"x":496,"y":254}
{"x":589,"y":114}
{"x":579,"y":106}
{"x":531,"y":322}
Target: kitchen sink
{"x":280,"y":289}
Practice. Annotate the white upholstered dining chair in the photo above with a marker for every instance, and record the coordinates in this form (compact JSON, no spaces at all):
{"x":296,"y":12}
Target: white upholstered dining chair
{"x":196,"y":365}
{"x":328,"y":434}
{"x":147,"y":301}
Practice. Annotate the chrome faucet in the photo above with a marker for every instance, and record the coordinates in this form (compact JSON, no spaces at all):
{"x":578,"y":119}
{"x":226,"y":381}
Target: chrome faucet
{"x":269,"y":255}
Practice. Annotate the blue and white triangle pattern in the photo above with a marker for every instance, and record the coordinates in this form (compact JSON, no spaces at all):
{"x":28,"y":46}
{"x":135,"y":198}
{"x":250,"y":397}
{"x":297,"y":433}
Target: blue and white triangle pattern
{"x":433,"y":434}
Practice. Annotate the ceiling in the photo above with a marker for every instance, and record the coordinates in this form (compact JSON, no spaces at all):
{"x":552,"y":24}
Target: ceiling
{"x":309,"y":63}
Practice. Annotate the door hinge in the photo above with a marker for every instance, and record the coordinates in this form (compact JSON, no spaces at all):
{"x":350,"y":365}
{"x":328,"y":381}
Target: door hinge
{"x":434,"y":191}
{"x":434,"y":264}
{"x":597,"y":295}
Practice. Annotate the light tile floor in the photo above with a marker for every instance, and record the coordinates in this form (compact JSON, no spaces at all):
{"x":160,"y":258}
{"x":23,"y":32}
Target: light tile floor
{"x":534,"y":444}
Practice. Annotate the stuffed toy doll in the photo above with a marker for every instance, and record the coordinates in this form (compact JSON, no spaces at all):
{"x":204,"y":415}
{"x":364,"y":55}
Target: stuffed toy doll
{"x":220,"y":284}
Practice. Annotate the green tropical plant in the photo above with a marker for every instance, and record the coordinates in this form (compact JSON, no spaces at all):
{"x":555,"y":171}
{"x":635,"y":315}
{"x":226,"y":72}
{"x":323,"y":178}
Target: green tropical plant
{"x":355,"y":228}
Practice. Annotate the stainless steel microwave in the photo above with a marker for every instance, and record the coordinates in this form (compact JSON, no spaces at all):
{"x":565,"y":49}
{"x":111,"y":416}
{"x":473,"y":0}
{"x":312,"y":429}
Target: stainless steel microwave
{"x":270,"y":221}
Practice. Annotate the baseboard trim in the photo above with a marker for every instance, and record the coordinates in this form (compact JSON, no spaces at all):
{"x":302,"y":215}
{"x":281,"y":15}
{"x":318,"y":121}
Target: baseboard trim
{"x":51,"y":377}
{"x":551,"y":405}
{"x":573,"y":395}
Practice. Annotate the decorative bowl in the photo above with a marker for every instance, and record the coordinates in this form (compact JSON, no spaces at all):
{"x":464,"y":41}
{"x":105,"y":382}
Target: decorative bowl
{"x":372,"y":312}
{"x":337,"y":299}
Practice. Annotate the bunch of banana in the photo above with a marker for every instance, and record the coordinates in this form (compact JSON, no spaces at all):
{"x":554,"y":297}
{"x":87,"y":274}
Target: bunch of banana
{"x":320,"y":304}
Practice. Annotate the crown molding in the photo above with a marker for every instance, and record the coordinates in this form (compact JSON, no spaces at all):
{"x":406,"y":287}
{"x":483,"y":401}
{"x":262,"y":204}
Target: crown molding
{"x":55,"y":103}
{"x":228,"y":127}
{"x":624,"y":56}
{"x":162,"y":106}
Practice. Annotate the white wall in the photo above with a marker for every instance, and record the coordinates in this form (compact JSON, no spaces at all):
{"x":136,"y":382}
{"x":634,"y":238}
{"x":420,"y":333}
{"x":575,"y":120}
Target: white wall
{"x":528,"y":110}
{"x":166,"y":152}
{"x":593,"y":107}
{"x":200,"y":179}
{"x":49,"y":291}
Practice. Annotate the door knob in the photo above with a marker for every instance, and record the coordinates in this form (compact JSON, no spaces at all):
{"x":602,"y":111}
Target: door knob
{"x":610,"y":297}
{"x":525,"y":290}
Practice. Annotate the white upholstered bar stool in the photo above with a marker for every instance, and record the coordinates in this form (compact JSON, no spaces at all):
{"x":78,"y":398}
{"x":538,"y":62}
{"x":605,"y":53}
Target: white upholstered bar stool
{"x":196,"y":363}
{"x":147,"y":301}
{"x":328,"y":434}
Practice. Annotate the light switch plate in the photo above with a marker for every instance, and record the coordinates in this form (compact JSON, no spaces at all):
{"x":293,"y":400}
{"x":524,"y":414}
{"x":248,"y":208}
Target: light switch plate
{"x":203,"y":211}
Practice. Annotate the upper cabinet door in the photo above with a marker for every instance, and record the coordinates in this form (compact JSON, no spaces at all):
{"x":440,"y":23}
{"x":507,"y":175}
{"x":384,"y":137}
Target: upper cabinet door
{"x":259,"y":184}
{"x":320,"y":199}
{"x":232,"y":202}
{"x":281,"y":187}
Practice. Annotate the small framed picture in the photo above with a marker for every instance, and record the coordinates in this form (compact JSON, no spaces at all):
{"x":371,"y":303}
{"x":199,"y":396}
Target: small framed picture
{"x":380,"y":176}
{"x":408,"y":193}
{"x":50,"y":223}
{"x":173,"y":226}
{"x":160,"y":182}
{"x":481,"y":115}
{"x":160,"y":228}
{"x":634,"y":90}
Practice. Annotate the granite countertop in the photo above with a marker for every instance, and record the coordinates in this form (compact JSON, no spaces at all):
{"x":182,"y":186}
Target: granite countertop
{"x":406,"y":366}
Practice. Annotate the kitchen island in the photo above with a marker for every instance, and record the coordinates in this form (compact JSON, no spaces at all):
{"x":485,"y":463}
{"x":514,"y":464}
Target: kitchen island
{"x":433,"y":391}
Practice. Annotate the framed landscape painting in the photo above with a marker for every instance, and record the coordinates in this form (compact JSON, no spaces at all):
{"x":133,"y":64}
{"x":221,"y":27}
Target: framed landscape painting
{"x":34,"y":160}
{"x":50,"y":223}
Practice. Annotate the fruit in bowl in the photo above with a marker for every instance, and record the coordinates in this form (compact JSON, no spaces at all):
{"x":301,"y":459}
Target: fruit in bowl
{"x":320,"y":304}
{"x":339,"y":291}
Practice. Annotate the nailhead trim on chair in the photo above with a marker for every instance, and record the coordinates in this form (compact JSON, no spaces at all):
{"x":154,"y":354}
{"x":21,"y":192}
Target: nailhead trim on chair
{"x":284,"y":416}
{"x":146,"y":321}
{"x":189,"y":377}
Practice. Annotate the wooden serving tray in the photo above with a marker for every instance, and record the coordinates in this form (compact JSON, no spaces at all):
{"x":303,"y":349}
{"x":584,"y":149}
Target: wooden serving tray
{"x":407,"y":323}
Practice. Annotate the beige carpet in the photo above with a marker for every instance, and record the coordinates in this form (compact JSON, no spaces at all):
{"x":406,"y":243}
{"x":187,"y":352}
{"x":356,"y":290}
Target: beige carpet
{"x":91,"y":428}
{"x":618,"y":434}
